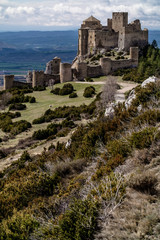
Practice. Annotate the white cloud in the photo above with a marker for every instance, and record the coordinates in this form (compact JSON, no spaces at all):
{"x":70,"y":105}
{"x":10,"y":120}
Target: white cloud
{"x":72,"y":13}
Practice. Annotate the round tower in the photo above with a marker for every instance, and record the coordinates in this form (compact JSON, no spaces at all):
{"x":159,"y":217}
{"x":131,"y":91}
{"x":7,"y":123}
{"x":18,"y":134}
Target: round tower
{"x":65,"y":72}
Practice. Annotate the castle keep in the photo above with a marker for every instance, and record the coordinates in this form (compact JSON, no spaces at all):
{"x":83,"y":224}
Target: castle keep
{"x":118,"y":33}
{"x":112,"y":47}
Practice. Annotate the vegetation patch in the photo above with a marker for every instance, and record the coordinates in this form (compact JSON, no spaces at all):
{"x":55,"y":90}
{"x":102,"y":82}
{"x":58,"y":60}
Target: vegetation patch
{"x":89,"y":92}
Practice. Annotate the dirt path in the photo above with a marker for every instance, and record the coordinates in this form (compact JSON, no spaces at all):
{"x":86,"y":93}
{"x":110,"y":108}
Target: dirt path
{"x":125,"y":87}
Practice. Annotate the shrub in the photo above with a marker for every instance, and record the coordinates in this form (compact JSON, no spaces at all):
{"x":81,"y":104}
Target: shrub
{"x":89,"y":92}
{"x":39,"y":120}
{"x":118,"y":58}
{"x":55,"y":91}
{"x":19,"y":127}
{"x":32,"y":100}
{"x":96,"y":58}
{"x":2,"y":154}
{"x":120,"y":147}
{"x":65,"y":91}
{"x":51,"y":130}
{"x":151,"y":117}
{"x":143,"y":138}
{"x":73,"y":95}
{"x":88,"y":79}
{"x":120,"y":53}
{"x":17,"y":106}
{"x":23,"y":188}
{"x":68,"y":85}
{"x":79,"y":222}
{"x":68,"y":123}
{"x":15,"y":127}
{"x":145,"y":182}
{"x":39,"y":88}
{"x":19,"y":226}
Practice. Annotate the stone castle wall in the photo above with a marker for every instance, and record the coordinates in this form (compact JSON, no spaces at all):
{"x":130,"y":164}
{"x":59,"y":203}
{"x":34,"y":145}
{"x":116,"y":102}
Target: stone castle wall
{"x":94,"y":71}
{"x":39,"y":78}
{"x":130,"y":39}
{"x":9,"y":82}
{"x":101,"y":40}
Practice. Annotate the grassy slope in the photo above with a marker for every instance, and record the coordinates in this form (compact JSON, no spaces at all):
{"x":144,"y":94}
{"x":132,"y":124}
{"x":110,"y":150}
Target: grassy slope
{"x":45,"y":99}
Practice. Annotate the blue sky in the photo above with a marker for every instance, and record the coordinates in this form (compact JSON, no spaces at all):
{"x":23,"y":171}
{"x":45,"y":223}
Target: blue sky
{"x":18,"y":15}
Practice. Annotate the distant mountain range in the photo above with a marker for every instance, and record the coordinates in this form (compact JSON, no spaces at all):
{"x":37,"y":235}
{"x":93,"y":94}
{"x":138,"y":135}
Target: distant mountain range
{"x":35,"y":39}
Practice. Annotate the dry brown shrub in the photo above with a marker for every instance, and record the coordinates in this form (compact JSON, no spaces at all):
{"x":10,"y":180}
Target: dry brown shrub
{"x":145,"y":182}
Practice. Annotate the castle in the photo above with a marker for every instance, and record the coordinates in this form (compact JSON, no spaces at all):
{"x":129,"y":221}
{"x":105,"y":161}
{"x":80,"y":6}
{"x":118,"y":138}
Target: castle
{"x":118,"y":33}
{"x":94,"y":39}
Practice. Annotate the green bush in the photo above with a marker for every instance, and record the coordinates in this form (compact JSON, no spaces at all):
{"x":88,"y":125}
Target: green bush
{"x":73,"y":95}
{"x":39,"y":88}
{"x":78,"y":223}
{"x":143,"y":138}
{"x":18,"y":227}
{"x":56,"y":91}
{"x":68,"y":123}
{"x":39,"y":120}
{"x":15,"y":127}
{"x":23,"y":187}
{"x":17,"y":106}
{"x":89,"y":92}
{"x":32,"y":100}
{"x":121,"y":147}
{"x":88,"y":79}
{"x":65,"y":90}
{"x":51,"y":130}
{"x":151,"y":117}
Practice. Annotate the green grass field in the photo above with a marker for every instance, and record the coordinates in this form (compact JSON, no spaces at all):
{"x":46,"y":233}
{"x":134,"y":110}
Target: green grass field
{"x":45,"y":99}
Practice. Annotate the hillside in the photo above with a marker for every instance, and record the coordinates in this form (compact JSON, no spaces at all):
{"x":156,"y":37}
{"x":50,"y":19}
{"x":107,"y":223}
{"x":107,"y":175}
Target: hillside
{"x":88,"y":169}
{"x":94,"y":187}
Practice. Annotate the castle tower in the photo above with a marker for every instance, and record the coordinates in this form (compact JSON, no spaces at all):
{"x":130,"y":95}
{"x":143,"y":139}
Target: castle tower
{"x":38,"y":78}
{"x":90,"y":23}
{"x":119,"y":20}
{"x":8,"y":81}
{"x":53,"y":67}
{"x":65,"y":72}
{"x":82,"y":42}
